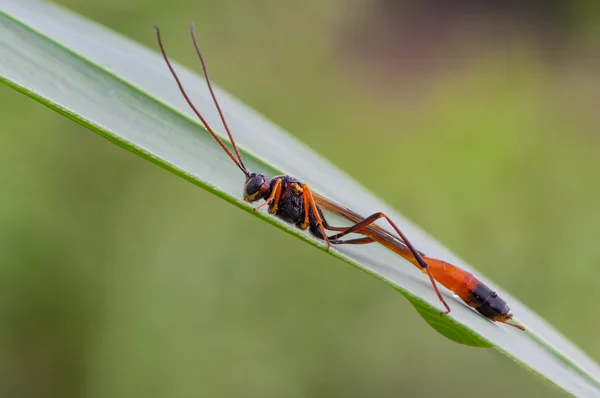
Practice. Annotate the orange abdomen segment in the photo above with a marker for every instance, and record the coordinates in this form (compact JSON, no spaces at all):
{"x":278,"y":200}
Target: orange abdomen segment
{"x":461,"y":282}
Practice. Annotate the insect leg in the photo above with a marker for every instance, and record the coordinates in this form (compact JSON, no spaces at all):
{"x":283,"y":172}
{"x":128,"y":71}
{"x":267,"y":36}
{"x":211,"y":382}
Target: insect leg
{"x":275,"y":195}
{"x":357,"y":241}
{"x":356,"y":228}
{"x":310,"y":201}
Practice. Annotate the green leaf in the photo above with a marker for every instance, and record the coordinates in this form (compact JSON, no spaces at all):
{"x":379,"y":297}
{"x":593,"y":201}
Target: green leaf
{"x":125,"y":93}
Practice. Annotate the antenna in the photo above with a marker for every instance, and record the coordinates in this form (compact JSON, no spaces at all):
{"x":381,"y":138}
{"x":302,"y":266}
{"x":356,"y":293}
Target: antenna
{"x":212,"y":93}
{"x":239,"y":163}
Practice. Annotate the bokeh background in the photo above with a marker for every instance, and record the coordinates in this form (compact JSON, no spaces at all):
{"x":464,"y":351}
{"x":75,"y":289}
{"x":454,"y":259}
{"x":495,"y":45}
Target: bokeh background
{"x":119,"y":279}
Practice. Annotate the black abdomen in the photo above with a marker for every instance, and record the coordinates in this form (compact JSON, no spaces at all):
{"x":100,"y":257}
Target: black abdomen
{"x":488,"y":303}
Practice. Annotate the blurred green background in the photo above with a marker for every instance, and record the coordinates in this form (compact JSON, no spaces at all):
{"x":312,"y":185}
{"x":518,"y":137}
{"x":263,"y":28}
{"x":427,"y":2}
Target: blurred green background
{"x":119,"y":279}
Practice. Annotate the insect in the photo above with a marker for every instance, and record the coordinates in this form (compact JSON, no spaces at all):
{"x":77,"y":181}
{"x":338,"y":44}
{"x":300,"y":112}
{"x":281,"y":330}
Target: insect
{"x":293,"y":201}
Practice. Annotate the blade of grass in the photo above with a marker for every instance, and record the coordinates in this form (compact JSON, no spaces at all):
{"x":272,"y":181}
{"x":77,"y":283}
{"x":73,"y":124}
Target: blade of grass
{"x":124,"y":92}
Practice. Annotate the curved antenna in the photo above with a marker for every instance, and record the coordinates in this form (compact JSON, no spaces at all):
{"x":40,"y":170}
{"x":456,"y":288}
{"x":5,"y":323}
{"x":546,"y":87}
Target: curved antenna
{"x":212,"y":93}
{"x":204,"y":122}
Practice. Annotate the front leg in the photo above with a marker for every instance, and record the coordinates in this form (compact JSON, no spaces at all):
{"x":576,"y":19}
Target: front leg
{"x":273,"y":198}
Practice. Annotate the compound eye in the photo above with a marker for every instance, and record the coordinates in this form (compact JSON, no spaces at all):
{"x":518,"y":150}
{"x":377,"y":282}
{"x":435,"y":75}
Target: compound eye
{"x":252,"y":186}
{"x":256,"y":187}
